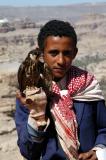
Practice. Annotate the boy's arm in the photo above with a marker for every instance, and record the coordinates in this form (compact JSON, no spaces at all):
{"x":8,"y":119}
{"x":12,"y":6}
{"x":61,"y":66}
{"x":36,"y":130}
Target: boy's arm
{"x":30,"y":145}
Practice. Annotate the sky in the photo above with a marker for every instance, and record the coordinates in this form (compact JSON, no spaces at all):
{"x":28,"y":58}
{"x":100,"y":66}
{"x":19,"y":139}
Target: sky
{"x":43,"y":2}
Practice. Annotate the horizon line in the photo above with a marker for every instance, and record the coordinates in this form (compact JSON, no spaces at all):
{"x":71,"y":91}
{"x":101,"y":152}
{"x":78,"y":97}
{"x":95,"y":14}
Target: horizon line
{"x":55,"y":5}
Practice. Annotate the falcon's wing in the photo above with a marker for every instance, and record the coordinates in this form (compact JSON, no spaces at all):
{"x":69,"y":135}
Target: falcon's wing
{"x":21,"y":77}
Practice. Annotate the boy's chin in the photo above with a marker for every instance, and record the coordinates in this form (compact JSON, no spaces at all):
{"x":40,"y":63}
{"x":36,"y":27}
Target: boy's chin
{"x":58,"y":78}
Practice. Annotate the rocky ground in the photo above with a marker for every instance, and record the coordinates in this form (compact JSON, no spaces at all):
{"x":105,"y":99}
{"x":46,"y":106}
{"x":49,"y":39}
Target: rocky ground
{"x":8,"y":135}
{"x":14,"y":47}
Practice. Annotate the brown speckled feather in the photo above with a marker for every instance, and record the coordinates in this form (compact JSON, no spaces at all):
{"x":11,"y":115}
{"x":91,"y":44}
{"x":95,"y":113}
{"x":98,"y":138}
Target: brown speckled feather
{"x":32,"y":72}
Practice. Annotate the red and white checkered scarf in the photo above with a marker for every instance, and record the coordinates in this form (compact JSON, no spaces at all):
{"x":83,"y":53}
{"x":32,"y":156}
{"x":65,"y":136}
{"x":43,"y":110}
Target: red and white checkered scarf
{"x":80,"y":84}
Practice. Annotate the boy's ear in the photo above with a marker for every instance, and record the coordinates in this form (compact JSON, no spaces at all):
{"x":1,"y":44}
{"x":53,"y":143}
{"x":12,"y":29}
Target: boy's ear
{"x":75,"y":52}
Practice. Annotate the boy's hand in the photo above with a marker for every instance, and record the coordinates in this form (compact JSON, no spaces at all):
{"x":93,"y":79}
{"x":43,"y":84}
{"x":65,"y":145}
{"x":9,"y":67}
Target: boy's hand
{"x":35,"y":99}
{"x":91,"y":155}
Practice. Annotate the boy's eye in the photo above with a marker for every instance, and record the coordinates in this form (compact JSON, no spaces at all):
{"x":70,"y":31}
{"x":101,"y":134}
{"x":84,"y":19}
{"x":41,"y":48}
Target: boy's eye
{"x":68,"y":53}
{"x":54,"y":52}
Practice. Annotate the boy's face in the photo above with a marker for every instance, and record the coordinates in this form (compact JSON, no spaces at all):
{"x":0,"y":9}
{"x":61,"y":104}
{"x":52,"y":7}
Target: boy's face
{"x":59,"y":53}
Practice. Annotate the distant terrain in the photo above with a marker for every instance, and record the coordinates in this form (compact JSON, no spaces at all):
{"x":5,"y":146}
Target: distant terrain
{"x":43,"y":13}
{"x":18,"y":36}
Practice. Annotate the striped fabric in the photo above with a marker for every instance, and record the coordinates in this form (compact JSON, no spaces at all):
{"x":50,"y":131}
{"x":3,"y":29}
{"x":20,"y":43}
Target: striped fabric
{"x":80,"y":86}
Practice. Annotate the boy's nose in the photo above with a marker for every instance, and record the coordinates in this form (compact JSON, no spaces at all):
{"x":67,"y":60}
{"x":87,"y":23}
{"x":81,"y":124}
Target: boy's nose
{"x":60,"y":59}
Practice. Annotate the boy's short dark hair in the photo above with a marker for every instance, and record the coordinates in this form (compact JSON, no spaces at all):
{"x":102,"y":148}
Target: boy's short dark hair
{"x":56,"y":28}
